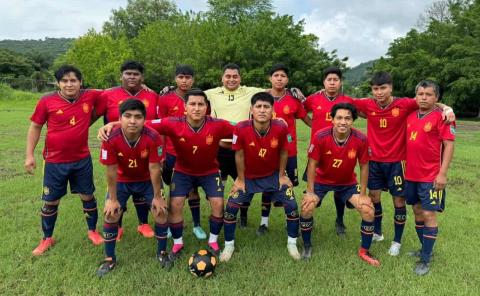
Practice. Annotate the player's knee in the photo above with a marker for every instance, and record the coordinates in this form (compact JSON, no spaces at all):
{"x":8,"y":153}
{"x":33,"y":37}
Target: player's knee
{"x":374,"y":195}
{"x":417,"y":210}
{"x":176,"y":204}
{"x":307,"y":211}
{"x":113,"y":218}
{"x":399,"y":201}
{"x":160,"y":217}
{"x":366,"y":209}
{"x":49,"y":209}
{"x":85,"y":197}
{"x":429,"y":216}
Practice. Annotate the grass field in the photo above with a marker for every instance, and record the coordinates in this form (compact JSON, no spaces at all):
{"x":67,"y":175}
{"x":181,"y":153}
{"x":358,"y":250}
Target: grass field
{"x":260,"y":266}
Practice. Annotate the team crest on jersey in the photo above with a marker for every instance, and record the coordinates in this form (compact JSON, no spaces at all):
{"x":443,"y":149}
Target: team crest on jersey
{"x":274,"y":143}
{"x":352,"y":153}
{"x":286,"y":110}
{"x":427,"y":127}
{"x":86,"y":108}
{"x":144,"y":153}
{"x":59,"y":112}
{"x":395,"y":112}
{"x":209,"y":139}
{"x":452,"y":130}
{"x":46,"y":190}
{"x":146,"y":103}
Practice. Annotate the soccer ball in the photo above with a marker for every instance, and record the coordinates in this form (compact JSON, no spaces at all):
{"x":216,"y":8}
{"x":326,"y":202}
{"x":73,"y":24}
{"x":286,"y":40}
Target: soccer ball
{"x":202,"y":263}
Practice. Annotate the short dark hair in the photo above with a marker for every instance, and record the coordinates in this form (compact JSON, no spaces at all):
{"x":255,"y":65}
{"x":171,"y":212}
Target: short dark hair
{"x":132,"y":104}
{"x":195,"y":92}
{"x":262,"y":96}
{"x":65,"y":69}
{"x":380,"y":78}
{"x":132,"y":65}
{"x":429,"y":83}
{"x":184,"y":70}
{"x":332,"y":70}
{"x":279,"y":67}
{"x":344,"y":106}
{"x":231,"y":66}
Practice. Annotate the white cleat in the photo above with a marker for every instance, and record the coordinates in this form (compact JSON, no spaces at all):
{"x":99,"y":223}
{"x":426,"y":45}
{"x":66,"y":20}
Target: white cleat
{"x":293,"y":251}
{"x":377,"y":238}
{"x":394,"y":249}
{"x":227,"y":253}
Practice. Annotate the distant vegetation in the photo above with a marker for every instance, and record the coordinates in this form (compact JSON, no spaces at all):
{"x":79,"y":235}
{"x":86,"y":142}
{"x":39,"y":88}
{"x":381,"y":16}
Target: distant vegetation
{"x":358,"y":74}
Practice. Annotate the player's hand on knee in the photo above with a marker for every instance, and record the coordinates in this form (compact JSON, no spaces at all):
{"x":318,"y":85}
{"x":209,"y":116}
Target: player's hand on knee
{"x":104,"y":131}
{"x":285,"y":181}
{"x":159,"y":206}
{"x":238,"y":185}
{"x":309,"y":200}
{"x":112,"y":208}
{"x":440,"y":182}
{"x":30,"y":165}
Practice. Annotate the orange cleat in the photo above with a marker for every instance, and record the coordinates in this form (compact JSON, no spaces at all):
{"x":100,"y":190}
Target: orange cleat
{"x":367,"y":257}
{"x":120,"y":234}
{"x":43,"y":246}
{"x":95,"y":237}
{"x":145,"y":230}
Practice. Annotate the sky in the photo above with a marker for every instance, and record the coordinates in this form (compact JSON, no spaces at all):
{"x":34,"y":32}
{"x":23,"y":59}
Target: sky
{"x":359,"y":29}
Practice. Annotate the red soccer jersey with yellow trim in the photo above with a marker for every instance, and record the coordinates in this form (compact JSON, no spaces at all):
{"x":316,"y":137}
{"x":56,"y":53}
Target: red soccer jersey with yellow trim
{"x":386,"y":127}
{"x":170,"y":105}
{"x":67,"y":125}
{"x":425,"y":135}
{"x":262,"y":153}
{"x":336,"y":163}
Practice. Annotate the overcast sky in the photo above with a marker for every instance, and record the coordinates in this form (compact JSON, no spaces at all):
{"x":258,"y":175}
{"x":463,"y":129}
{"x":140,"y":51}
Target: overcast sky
{"x":359,"y":29}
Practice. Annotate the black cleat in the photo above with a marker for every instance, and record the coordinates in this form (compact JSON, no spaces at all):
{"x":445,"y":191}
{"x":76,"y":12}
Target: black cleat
{"x":106,"y":267}
{"x":340,"y":229}
{"x":422,"y":268}
{"x":307,"y":252}
{"x":174,"y":256}
{"x":165,"y":260}
{"x":418,"y":254}
{"x":262,"y":230}
{"x":243,"y":222}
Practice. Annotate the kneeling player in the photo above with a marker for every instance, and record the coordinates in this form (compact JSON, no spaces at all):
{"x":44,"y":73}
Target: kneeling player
{"x":262,"y":144}
{"x":333,"y":154}
{"x":429,"y":153}
{"x":132,"y":156}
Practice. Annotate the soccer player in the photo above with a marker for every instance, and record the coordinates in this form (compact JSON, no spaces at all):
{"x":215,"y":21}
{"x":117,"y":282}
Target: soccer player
{"x":320,"y":104}
{"x":131,"y":87}
{"x":195,"y":137}
{"x":172,"y":104}
{"x":333,"y":155}
{"x":289,"y":109}
{"x":67,"y":113}
{"x":261,"y":153}
{"x":430,"y":145}
{"x":132,"y":157}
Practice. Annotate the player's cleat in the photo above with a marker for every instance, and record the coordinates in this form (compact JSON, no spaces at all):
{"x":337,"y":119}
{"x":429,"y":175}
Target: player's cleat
{"x":176,"y":251}
{"x":340,"y":229}
{"x":307,"y":252}
{"x":227,"y":253}
{"x":214,"y":248}
{"x":418,"y":254}
{"x":243,"y":222}
{"x":394,"y":249}
{"x":199,"y":233}
{"x":107,"y":265}
{"x":293,"y":251}
{"x":367,"y":257}
{"x":95,"y":237}
{"x":145,"y":230}
{"x":422,"y":267}
{"x":377,"y":237}
{"x":43,"y":246}
{"x":120,"y":234}
{"x":262,"y":230}
{"x":165,"y":260}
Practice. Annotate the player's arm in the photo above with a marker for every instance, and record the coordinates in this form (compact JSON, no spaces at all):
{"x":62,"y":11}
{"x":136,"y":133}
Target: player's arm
{"x":239,"y":183}
{"x":104,"y":131}
{"x":309,"y":196}
{"x":307,"y":120}
{"x":448,"y":116}
{"x":33,"y":136}
{"x":159,"y":205}
{"x":363,"y":178}
{"x":112,"y":206}
{"x":283,"y":178}
{"x":441,"y":179}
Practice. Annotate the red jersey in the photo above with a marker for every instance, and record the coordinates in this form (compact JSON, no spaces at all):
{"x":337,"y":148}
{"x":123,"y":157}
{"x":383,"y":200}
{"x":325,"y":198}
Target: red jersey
{"x":170,"y":105}
{"x":196,"y":149}
{"x":133,"y":159}
{"x":262,"y":153}
{"x":67,"y":125}
{"x":424,"y":145}
{"x":386,"y":127}
{"x":113,"y":97}
{"x":336,"y":163}
{"x":320,"y":106}
{"x":288,"y":108}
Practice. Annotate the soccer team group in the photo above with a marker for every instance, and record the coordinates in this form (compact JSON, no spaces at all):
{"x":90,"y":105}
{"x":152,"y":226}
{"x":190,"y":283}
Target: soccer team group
{"x":188,"y":138}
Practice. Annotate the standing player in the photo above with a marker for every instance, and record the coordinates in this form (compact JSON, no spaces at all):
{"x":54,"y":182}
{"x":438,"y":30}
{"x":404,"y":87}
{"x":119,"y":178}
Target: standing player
{"x":172,"y":104}
{"x":262,"y":143}
{"x":320,"y":104}
{"x":333,"y":155}
{"x":195,"y":137}
{"x":430,"y":145}
{"x":131,"y":87}
{"x":289,"y":109}
{"x":132,"y":156}
{"x":68,"y":114}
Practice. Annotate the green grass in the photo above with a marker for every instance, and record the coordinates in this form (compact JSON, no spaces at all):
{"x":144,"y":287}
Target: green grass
{"x":260,"y":266}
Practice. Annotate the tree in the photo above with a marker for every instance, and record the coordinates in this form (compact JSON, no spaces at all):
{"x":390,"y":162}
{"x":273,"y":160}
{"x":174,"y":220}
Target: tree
{"x":234,"y":10}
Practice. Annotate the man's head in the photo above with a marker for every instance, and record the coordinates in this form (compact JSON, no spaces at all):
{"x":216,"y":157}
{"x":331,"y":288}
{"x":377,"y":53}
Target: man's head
{"x":196,"y":104}
{"x":332,"y":80}
{"x":343,"y":116}
{"x":231,"y":76}
{"x":381,"y":84}
{"x":184,"y":77}
{"x":427,"y":93}
{"x":132,"y":75}
{"x":69,"y":80}
{"x":132,"y":115}
{"x":279,"y":76}
{"x":262,"y":107}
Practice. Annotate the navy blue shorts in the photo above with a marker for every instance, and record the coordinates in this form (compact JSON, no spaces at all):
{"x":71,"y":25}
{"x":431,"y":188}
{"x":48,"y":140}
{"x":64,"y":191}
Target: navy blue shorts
{"x":226,"y":161}
{"x":182,"y":184}
{"x":140,"y":191}
{"x":292,"y":170}
{"x":386,"y":176}
{"x":344,"y":192}
{"x":168,"y":166}
{"x":425,"y":193}
{"x":57,"y":175}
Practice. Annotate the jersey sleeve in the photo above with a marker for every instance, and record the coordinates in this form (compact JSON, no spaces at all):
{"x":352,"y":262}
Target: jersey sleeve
{"x":40,"y":115}
{"x":314,"y":150}
{"x":286,"y":138}
{"x":447,"y":131}
{"x":363,"y":156}
{"x":162,"y":107}
{"x":227,"y":129}
{"x":237,"y":139}
{"x":108,"y":155}
{"x":410,"y":104}
{"x":156,"y":150}
{"x":101,"y":104}
{"x":301,"y":112}
{"x":162,"y":126}
{"x":361,"y":105}
{"x":308,"y":103}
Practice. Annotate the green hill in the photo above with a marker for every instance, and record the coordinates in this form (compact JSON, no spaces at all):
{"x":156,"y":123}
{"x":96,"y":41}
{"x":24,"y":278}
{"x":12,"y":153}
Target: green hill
{"x":357,"y":75}
{"x":52,"y":47}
